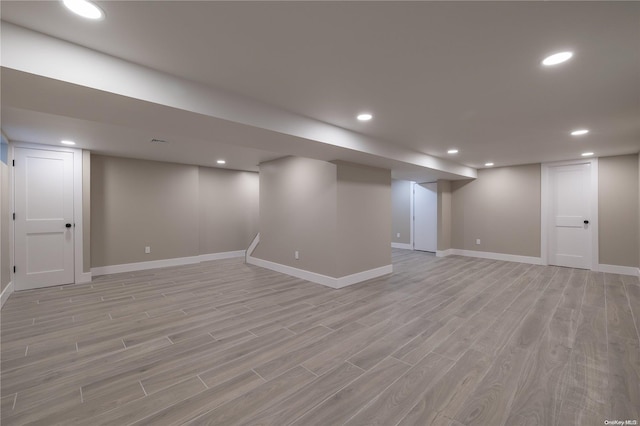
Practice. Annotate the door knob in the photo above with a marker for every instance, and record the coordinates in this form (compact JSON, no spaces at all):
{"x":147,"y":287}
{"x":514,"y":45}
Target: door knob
{"x":68,"y":225}
{"x":586,"y":222}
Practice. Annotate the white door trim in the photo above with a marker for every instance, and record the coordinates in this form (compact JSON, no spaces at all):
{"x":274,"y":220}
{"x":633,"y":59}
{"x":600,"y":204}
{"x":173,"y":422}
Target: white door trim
{"x":545,"y":205}
{"x":79,"y":275}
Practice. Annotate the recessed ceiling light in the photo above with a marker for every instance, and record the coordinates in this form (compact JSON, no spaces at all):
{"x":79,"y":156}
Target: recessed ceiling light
{"x":84,"y":8}
{"x":557,"y":58}
{"x":452,"y":151}
{"x":67,"y":142}
{"x":579,"y":132}
{"x":221,"y":162}
{"x":365,"y":116}
{"x":488,"y":164}
{"x":587,"y":154}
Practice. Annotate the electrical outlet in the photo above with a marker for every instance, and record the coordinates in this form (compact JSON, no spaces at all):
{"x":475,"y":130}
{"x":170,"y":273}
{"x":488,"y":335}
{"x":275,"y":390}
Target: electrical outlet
{"x":477,"y":241}
{"x":147,"y":249}
{"x":398,"y":235}
{"x":296,"y":254}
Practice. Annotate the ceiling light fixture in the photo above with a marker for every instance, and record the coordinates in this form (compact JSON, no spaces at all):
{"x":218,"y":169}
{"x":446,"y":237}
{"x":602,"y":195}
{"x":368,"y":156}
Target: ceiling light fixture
{"x":84,"y":8}
{"x":67,"y":142}
{"x":587,"y":154}
{"x":452,"y":151}
{"x":488,"y":164}
{"x":365,"y":116}
{"x":557,"y":58}
{"x":579,"y":132}
{"x":221,"y":162}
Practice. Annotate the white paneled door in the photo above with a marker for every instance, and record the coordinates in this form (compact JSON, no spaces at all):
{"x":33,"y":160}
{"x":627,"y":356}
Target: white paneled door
{"x":425,"y":216}
{"x":569,"y":222}
{"x":44,"y":228}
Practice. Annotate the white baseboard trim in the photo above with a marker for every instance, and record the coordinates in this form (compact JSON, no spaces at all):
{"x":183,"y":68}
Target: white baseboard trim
{"x":294,"y":272}
{"x":497,"y":256}
{"x":222,"y":255}
{"x":84,"y":278}
{"x":163,"y":263}
{"x":444,"y":253}
{"x":6,"y":293}
{"x":622,"y":270}
{"x":141,"y":266}
{"x":320,"y":278}
{"x":402,"y":246}
{"x":253,"y":245}
{"x":359,"y":277}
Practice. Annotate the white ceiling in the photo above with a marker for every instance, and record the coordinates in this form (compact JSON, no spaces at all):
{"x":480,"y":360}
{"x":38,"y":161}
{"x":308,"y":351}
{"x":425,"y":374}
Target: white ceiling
{"x":436,"y":75}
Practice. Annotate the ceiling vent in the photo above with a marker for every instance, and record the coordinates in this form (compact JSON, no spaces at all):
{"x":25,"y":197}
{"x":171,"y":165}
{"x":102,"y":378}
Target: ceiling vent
{"x":159,"y":141}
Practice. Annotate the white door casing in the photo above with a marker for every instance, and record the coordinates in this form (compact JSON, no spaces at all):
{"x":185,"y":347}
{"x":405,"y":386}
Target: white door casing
{"x":44,"y":205}
{"x":569,"y":214}
{"x":425,"y":217}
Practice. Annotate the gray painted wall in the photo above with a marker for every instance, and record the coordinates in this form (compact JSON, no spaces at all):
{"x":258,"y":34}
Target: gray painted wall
{"x":337,"y":216}
{"x":444,"y":215}
{"x":138,"y":203}
{"x":501,"y":208}
{"x":618,"y":210}
{"x":364,"y":218}
{"x":402,"y":215}
{"x":228,"y":209}
{"x":401,"y":211}
{"x":298,"y":211}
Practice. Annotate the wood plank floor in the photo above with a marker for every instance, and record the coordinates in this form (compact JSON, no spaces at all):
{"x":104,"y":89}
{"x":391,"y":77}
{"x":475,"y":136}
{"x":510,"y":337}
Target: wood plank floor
{"x":442,"y":341}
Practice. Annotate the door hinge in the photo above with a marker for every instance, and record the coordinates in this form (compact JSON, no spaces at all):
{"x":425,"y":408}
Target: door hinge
{"x":14,"y":216}
{"x":13,"y":162}
{"x":14,"y":269}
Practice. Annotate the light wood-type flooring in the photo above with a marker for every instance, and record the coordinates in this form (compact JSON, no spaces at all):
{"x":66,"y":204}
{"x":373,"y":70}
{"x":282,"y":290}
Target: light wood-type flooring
{"x":442,"y":341}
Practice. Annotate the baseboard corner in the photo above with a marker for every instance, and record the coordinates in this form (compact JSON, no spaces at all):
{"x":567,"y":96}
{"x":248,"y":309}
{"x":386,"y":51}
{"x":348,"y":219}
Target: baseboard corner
{"x":325,"y":280}
{"x":84,"y":278}
{"x":6,"y":293}
{"x":444,"y":253}
{"x":359,"y":277}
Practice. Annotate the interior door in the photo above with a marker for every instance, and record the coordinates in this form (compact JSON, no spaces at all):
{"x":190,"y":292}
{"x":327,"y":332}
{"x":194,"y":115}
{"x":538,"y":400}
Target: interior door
{"x":570,"y":230}
{"x":44,"y":240}
{"x":425,"y":217}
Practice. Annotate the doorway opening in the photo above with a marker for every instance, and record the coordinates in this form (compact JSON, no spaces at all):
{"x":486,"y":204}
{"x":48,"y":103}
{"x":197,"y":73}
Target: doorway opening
{"x":569,"y":216}
{"x":425,"y":217}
